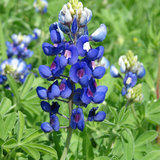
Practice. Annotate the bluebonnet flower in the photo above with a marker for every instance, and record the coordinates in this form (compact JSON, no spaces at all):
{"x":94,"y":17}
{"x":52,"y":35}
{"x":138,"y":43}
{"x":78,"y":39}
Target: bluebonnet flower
{"x":133,"y":69}
{"x":79,"y":87}
{"x":40,"y":6}
{"x":19,"y":46}
{"x":99,"y":117}
{"x":77,"y":119}
{"x":17,"y":68}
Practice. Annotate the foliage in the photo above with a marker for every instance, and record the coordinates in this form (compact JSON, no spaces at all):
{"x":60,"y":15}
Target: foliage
{"x":127,"y":132}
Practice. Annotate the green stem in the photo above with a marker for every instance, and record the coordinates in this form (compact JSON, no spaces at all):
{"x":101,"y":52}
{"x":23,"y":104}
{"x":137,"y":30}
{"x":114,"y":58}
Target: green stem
{"x":70,"y":130}
{"x":134,"y":114}
{"x":111,"y":139}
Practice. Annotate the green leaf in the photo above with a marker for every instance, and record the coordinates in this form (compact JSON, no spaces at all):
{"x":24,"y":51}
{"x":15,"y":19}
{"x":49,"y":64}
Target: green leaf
{"x":9,"y":124}
{"x":121,"y":114}
{"x":154,"y":108}
{"x":1,"y":126}
{"x":146,"y":137}
{"x":87,"y":147}
{"x":33,"y":136}
{"x":115,"y":114}
{"x":2,"y":40}
{"x":13,"y":85}
{"x":102,"y":158}
{"x":5,"y":105}
{"x":128,"y":144}
{"x":20,"y":126}
{"x":31,"y":151}
{"x":11,"y":143}
{"x":45,"y":149}
{"x":145,"y":92}
{"x":126,"y":115}
{"x":154,"y":155}
{"x":27,"y":85}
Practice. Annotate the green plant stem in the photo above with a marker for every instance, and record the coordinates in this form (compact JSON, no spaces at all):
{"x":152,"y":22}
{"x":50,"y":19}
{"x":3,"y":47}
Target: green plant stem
{"x":70,"y":130}
{"x":111,"y":139}
{"x":134,"y":114}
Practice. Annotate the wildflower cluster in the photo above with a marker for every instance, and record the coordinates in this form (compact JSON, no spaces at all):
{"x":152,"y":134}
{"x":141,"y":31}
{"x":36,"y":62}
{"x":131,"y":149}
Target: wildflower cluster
{"x":16,"y":52}
{"x":133,"y":69}
{"x":19,"y":46}
{"x":40,"y":6}
{"x":79,"y":88}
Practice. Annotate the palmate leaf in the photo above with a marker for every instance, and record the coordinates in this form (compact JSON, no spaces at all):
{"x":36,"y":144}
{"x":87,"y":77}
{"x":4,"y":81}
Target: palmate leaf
{"x":128,"y":144}
{"x":153,"y":112}
{"x":33,"y":136}
{"x":154,"y":155}
{"x":11,"y":143}
{"x":20,"y":126}
{"x":27,"y":85}
{"x":13,"y":85}
{"x":1,"y":126}
{"x":31,"y":151}
{"x":9,"y":124}
{"x":87,"y":147}
{"x":146,"y":137}
{"x":5,"y":105}
{"x":44,"y":149}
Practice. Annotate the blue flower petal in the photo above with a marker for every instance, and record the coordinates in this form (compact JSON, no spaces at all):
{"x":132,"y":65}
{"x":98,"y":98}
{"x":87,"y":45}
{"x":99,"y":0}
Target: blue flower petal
{"x":41,"y":92}
{"x":92,"y":54}
{"x":141,"y":72}
{"x":74,"y":26}
{"x":62,"y":61}
{"x":56,"y":124}
{"x":74,"y":55}
{"x":48,"y":49}
{"x":81,"y":41}
{"x":84,"y":97}
{"x":100,"y":34}
{"x":100,"y":116}
{"x":114,"y":72}
{"x":73,"y":72}
{"x":99,"y":72}
{"x":98,"y":97}
{"x":123,"y":91}
{"x":100,"y":50}
{"x":45,"y":71}
{"x":46,"y":106}
{"x":80,"y":125}
{"x":102,"y":89}
{"x":46,"y":127}
{"x":84,"y":81}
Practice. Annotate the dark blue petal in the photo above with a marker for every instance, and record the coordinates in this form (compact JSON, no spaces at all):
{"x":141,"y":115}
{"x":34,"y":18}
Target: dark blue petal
{"x":84,"y":97}
{"x":53,"y":26}
{"x":80,"y":125}
{"x":100,"y":34}
{"x":62,"y":61}
{"x":63,"y":28}
{"x":45,"y":71}
{"x":80,"y":111}
{"x":81,"y":41}
{"x":48,"y":49}
{"x":114,"y":72}
{"x":73,"y":124}
{"x":102,"y":89}
{"x":46,"y":127}
{"x":99,"y":72}
{"x":92,"y":54}
{"x":55,"y":92}
{"x":41,"y":92}
{"x":46,"y":106}
{"x":92,"y":114}
{"x":58,"y":48}
{"x":55,"y":36}
{"x":55,"y":107}
{"x":84,"y":81}
{"x":98,"y":97}
{"x":56,"y":124}
{"x":92,"y":85}
{"x":87,"y":70}
{"x":73,"y":72}
{"x":68,"y":89}
{"x":100,"y":50}
{"x":74,"y":26}
{"x":100,"y":116}
{"x":74,"y":55}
